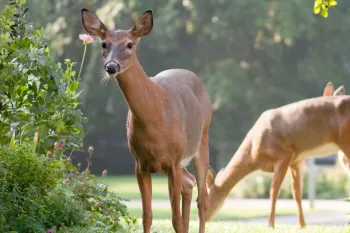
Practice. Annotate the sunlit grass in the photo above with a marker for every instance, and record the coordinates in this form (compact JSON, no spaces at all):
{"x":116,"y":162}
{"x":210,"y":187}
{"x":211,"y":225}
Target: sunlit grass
{"x":165,"y":226}
{"x":225,"y":213}
{"x":127,"y":187}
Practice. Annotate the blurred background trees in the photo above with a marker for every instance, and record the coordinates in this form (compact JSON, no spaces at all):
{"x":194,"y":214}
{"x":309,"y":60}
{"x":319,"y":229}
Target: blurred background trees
{"x":251,"y":55}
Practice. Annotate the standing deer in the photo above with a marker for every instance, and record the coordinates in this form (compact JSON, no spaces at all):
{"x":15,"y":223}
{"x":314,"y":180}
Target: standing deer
{"x":282,"y":138}
{"x":167,"y":124}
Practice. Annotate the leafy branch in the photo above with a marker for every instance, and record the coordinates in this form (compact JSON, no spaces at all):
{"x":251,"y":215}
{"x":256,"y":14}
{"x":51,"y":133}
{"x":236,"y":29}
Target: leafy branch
{"x":321,"y":6}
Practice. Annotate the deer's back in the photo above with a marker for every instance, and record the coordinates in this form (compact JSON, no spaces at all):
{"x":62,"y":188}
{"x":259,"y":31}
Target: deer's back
{"x":312,"y":124}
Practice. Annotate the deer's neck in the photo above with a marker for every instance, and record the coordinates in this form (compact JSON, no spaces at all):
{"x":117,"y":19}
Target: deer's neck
{"x":236,"y":169}
{"x":144,"y":97}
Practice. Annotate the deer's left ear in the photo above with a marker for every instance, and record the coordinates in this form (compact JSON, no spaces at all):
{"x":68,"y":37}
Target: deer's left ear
{"x":328,"y":90}
{"x":143,"y":25}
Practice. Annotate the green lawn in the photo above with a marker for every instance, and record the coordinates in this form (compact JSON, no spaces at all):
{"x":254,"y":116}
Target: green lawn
{"x":225,"y":213}
{"x":126,"y":186}
{"x":165,"y":226}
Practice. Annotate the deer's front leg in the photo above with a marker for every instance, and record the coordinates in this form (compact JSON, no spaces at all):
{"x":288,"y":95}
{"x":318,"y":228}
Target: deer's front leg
{"x":144,"y":180}
{"x":175,"y":183}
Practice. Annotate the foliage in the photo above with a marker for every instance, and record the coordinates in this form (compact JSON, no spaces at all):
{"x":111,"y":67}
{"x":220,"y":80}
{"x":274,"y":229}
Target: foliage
{"x":38,"y":193}
{"x":37,"y":95}
{"x":39,"y":113}
{"x":106,"y":211}
{"x":30,"y":198}
{"x":20,"y":166}
{"x":321,"y":6}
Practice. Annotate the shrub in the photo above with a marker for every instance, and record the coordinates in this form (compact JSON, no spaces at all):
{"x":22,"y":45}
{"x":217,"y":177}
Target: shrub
{"x":39,"y":114}
{"x":31,"y":198}
{"x":106,"y":211}
{"x":24,"y":168}
{"x":36,"y":94}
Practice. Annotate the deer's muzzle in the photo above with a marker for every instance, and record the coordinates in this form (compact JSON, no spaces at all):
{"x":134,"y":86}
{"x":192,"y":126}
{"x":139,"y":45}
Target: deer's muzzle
{"x":112,"y":67}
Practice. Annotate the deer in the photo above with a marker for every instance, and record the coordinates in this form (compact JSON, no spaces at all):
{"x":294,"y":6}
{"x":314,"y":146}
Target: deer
{"x":167,"y":122}
{"x":283,"y":138}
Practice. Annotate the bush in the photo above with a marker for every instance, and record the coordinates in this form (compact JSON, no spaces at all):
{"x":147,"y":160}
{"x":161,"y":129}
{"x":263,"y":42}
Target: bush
{"x":22,"y":167}
{"x":106,"y":211}
{"x":39,"y":115}
{"x":38,"y":193}
{"x":36,"y":94}
{"x":31,"y":200}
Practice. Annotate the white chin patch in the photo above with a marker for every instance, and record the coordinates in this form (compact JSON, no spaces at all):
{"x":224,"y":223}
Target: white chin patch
{"x":111,"y":75}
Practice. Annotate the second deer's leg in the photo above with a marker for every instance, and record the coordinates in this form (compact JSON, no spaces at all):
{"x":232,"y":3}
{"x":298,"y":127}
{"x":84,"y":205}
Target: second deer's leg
{"x":144,"y":180}
{"x":280,"y":170}
{"x":188,"y":182}
{"x":297,"y":190}
{"x":201,"y":164}
{"x":175,"y":183}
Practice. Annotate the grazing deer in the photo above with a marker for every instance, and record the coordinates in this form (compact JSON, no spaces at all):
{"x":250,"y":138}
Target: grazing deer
{"x":282,"y":138}
{"x":167,"y":124}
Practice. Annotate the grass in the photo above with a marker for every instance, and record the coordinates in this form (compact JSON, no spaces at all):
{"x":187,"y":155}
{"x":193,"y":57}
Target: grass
{"x":165,"y":226}
{"x":126,"y":186}
{"x":250,"y":186}
{"x":225,"y":213}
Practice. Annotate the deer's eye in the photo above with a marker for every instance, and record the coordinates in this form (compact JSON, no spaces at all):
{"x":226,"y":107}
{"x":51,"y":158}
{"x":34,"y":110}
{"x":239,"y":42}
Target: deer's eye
{"x":104,"y":45}
{"x":130,"y":45}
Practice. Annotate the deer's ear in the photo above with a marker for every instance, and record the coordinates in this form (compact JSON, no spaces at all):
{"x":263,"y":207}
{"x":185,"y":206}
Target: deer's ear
{"x":92,"y":24}
{"x":143,"y":25}
{"x":328,"y":90}
{"x":340,"y":91}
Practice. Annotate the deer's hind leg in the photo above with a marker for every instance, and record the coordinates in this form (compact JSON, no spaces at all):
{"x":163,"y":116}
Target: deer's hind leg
{"x":201,"y":164}
{"x":297,"y":190}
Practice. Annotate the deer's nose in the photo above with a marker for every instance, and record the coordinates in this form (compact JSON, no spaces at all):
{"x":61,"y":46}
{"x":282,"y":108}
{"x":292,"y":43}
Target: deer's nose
{"x":112,"y":67}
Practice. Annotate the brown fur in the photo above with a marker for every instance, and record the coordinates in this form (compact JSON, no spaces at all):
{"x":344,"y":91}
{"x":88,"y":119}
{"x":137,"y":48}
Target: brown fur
{"x":277,"y":141}
{"x":168,"y":121}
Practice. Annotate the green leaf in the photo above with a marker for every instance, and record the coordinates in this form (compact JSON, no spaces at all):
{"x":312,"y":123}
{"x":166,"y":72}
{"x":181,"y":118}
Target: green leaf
{"x":317,"y":9}
{"x":74,"y":86}
{"x":324,"y":12}
{"x":13,"y":143}
{"x":332,"y":2}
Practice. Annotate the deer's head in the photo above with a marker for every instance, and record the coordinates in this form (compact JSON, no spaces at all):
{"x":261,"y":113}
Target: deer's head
{"x":118,"y":47}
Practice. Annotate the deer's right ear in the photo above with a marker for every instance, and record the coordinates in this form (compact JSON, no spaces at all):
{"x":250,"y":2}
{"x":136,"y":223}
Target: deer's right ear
{"x":340,"y":91}
{"x":328,"y":90}
{"x":92,"y":24}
